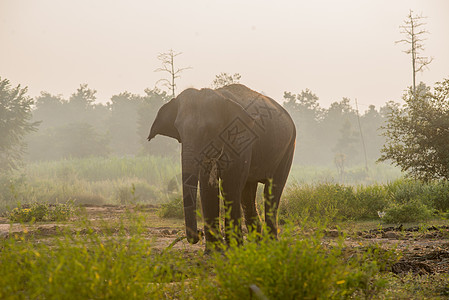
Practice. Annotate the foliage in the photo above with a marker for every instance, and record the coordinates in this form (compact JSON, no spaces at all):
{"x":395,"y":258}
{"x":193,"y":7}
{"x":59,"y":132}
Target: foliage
{"x":89,"y":266}
{"x":353,"y":175}
{"x":413,"y":211}
{"x":224,"y":79}
{"x":401,"y":200}
{"x":79,"y":127}
{"x":291,"y":268}
{"x":90,"y":181}
{"x":147,"y":112}
{"x":15,"y":123}
{"x":324,"y":133}
{"x":41,"y":212}
{"x":332,"y":202}
{"x":122,"y":125}
{"x":172,"y":209}
{"x":91,"y":263}
{"x":417,"y":133}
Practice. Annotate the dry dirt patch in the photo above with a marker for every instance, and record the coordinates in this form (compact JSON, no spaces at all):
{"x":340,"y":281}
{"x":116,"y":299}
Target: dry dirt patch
{"x":423,"y":251}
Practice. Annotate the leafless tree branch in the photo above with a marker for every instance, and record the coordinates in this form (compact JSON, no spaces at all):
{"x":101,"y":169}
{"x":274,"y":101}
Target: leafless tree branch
{"x":168,"y":65}
{"x":414,"y":38}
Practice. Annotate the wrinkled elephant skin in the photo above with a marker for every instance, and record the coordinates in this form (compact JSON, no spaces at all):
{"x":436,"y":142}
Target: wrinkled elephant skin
{"x":239,"y":136}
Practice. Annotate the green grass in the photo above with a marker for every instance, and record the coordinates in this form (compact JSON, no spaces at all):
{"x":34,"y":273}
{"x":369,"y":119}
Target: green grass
{"x":36,"y":212}
{"x":294,"y":267}
{"x":403,"y":201}
{"x":122,"y":263}
{"x":120,"y":260}
{"x":91,"y":181}
{"x":355,"y":175}
{"x":89,"y":265}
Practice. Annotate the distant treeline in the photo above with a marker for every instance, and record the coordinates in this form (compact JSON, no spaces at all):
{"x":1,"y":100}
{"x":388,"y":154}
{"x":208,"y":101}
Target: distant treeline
{"x":339,"y":134}
{"x":80,"y":127}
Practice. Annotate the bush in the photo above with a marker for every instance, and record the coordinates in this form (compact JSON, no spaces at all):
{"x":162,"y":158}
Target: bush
{"x":41,"y":212}
{"x":371,"y":199}
{"x":302,"y":202}
{"x":437,"y":195}
{"x":291,"y":268}
{"x":88,"y":199}
{"x":90,"y":266}
{"x":405,"y":190}
{"x":413,"y":211}
{"x":405,"y":200}
{"x":328,"y":202}
{"x":172,"y":209}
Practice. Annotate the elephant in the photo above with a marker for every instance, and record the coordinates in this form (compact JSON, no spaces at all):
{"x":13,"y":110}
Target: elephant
{"x":235,"y":135}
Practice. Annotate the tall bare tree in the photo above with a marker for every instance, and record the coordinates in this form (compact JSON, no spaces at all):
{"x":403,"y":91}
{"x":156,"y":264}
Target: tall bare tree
{"x":168,"y":65}
{"x":414,"y":38}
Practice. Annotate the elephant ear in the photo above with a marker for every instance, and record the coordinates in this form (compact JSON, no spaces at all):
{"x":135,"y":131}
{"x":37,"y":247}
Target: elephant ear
{"x":164,"y":124}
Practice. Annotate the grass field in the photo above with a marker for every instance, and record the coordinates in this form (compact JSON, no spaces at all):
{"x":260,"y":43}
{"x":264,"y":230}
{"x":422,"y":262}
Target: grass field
{"x":125,"y":251}
{"x":98,"y":228}
{"x":121,"y":180}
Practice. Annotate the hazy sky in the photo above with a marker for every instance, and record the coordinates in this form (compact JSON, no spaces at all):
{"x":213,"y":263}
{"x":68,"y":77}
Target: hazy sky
{"x":335,"y":48}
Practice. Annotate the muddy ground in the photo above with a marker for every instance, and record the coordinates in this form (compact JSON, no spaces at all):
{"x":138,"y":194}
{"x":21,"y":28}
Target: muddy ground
{"x":423,"y":250}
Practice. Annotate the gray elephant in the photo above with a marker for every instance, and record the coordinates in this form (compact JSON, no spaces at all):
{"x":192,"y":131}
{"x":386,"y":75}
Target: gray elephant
{"x":239,"y":136}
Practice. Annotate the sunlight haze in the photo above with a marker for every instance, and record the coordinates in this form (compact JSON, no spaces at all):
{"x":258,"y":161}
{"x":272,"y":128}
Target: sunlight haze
{"x":334,"y":48}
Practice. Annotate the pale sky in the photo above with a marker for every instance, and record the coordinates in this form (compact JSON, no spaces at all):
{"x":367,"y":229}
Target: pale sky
{"x":335,"y":48}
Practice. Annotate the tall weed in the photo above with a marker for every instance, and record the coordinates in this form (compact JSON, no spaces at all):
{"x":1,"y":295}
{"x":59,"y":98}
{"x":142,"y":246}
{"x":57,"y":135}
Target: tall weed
{"x":89,"y":265}
{"x":291,"y":268}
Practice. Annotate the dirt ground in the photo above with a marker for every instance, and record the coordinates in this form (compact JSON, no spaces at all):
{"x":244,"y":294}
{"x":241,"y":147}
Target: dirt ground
{"x":423,"y":250}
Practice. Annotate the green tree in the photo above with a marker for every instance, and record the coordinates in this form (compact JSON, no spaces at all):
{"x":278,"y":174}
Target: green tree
{"x":50,"y":110}
{"x":336,"y":129}
{"x":224,"y":79}
{"x":371,"y":121}
{"x":64,"y":120}
{"x":122,"y":123}
{"x":347,"y":140}
{"x":83,"y":141}
{"x":417,"y":134}
{"x":15,"y":123}
{"x":307,"y":115}
{"x":83,"y":98}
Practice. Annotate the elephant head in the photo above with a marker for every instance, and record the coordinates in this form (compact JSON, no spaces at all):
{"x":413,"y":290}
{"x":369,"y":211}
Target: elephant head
{"x":197,"y":119}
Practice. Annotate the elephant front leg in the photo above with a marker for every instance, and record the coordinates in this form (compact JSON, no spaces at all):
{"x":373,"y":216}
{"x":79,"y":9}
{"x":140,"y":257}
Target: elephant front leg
{"x":233,"y":218}
{"x":210,"y":204}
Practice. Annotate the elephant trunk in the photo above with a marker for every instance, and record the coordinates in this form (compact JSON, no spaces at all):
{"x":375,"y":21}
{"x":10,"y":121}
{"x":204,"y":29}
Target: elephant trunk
{"x":189,"y":191}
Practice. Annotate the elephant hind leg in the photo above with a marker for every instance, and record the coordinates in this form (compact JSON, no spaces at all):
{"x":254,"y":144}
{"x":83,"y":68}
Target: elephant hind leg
{"x":252,"y":220}
{"x":273,"y":191}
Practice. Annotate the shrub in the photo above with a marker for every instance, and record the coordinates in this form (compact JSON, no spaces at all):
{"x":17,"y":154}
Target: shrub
{"x":405,"y":190}
{"x":41,"y":212}
{"x":412,"y":211}
{"x":172,"y":209}
{"x":371,"y":199}
{"x":320,"y":202}
{"x":291,"y":268}
{"x":89,"y":266}
{"x":87,"y":198}
{"x":140,"y":192}
{"x":126,"y":195}
{"x":437,"y":195}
